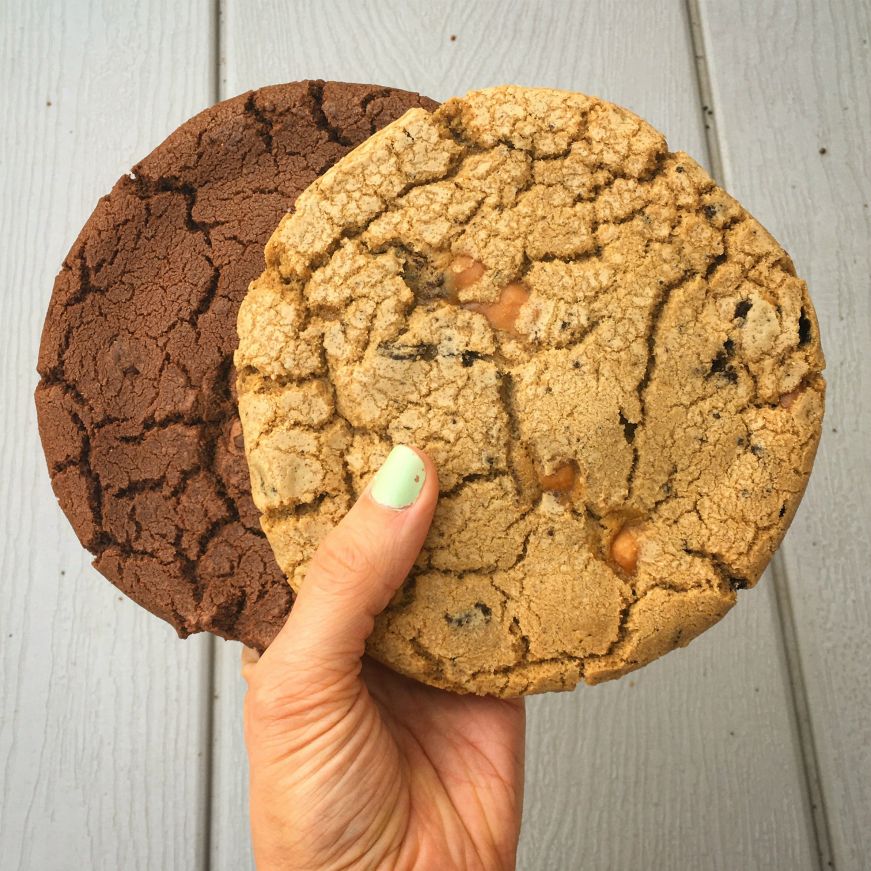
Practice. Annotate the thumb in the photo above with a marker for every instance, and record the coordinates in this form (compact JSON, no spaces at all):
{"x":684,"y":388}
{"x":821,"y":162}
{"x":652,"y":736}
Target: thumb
{"x":353,"y":575}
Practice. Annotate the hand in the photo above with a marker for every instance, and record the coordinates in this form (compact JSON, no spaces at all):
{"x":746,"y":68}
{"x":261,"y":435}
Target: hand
{"x":353,"y":765}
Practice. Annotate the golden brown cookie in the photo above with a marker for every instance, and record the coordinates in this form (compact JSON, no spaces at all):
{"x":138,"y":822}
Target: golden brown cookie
{"x":612,"y":364}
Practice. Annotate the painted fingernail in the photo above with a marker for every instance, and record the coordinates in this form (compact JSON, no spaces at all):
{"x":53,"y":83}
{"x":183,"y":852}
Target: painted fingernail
{"x":400,"y":479}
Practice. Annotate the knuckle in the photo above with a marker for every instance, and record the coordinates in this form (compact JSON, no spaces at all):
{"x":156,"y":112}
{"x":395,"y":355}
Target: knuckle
{"x":343,"y":559}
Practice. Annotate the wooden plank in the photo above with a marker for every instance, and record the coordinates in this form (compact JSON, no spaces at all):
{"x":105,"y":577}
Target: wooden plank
{"x":103,"y":710}
{"x":791,"y":90}
{"x":695,"y":761}
{"x":230,"y":844}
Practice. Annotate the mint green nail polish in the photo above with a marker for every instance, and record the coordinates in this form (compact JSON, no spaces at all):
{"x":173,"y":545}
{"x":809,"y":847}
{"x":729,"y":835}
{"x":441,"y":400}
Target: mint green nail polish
{"x":400,"y":479}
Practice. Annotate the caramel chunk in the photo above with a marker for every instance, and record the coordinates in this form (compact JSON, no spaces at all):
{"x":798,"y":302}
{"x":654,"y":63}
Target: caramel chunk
{"x":503,"y":313}
{"x":624,"y":549}
{"x":462,"y":272}
{"x":789,"y":398}
{"x":561,"y":480}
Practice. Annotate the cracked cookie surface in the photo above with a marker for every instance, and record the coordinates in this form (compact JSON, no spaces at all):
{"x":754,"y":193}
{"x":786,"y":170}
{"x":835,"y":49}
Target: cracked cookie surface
{"x":612,"y":364}
{"x":136,"y":408}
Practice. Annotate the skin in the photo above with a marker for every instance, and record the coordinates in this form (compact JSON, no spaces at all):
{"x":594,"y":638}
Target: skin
{"x":353,"y":765}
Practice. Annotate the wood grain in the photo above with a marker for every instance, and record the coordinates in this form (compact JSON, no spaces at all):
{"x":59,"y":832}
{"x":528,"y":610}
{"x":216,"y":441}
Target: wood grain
{"x":695,"y":761}
{"x":102,"y":710}
{"x":791,"y":89}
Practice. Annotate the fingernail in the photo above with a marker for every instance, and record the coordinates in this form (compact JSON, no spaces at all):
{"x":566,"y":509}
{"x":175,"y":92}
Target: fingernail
{"x":400,"y":479}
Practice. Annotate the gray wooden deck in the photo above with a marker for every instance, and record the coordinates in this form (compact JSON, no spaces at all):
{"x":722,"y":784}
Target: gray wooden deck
{"x":120,"y":746}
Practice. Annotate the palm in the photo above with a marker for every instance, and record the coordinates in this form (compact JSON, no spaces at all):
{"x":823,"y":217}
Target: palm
{"x":461,"y":759}
{"x":385,"y":772}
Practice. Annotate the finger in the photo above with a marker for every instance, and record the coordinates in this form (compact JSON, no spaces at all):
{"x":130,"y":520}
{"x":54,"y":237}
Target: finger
{"x":357,"y":569}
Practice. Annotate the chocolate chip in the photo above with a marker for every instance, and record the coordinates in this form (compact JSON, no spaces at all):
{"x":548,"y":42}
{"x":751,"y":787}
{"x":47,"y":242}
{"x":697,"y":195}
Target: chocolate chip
{"x":804,"y":328}
{"x":457,"y":621}
{"x":421,"y":275}
{"x":409,"y":352}
{"x":742,"y":308}
{"x":464,"y":618}
{"x":721,"y":366}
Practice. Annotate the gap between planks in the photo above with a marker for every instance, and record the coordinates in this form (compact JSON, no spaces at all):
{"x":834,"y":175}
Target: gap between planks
{"x":209,"y":715}
{"x":786,"y":619}
{"x":216,"y":42}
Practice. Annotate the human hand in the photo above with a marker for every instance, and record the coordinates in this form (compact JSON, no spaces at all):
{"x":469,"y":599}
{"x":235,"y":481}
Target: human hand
{"x":353,"y":765}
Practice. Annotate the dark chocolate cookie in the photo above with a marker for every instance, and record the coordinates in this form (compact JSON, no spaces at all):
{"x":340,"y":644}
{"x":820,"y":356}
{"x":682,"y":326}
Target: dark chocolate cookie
{"x":135,"y":403}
